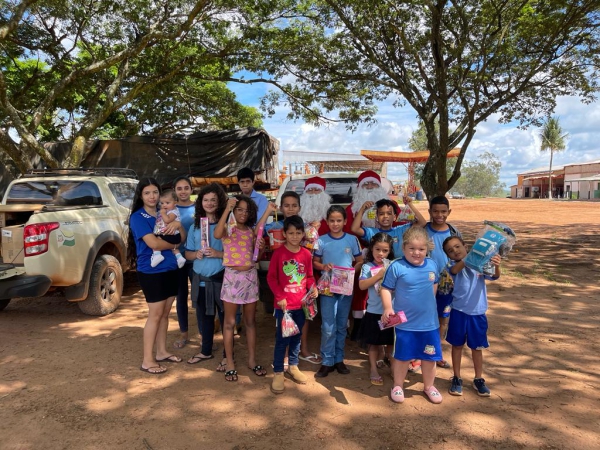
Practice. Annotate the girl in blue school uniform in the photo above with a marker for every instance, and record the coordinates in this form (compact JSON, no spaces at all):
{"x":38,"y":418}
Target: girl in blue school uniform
{"x":410,"y":285}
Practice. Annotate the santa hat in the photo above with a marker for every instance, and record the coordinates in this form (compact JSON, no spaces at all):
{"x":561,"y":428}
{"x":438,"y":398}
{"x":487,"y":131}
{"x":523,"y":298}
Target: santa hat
{"x":314,"y":183}
{"x":368,"y":176}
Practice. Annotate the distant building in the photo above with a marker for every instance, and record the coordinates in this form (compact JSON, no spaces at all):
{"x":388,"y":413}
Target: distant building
{"x":573,"y":181}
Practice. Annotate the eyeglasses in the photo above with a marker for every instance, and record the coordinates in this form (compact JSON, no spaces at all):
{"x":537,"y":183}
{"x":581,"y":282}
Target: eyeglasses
{"x":241,"y":211}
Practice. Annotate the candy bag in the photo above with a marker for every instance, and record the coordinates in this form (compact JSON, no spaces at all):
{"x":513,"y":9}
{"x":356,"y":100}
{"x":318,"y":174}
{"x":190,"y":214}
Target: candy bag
{"x":259,"y":234}
{"x":288,"y":326}
{"x":406,"y":214}
{"x":311,"y":237}
{"x":231,"y":223}
{"x":324,"y":284}
{"x":309,"y":306}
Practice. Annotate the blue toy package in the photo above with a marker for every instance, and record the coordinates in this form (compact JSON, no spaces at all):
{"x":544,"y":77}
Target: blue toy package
{"x":495,"y":238}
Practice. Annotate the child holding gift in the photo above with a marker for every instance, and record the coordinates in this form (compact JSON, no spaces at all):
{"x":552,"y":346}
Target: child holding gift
{"x":379,"y":251}
{"x":468,"y":322}
{"x":240,"y":280}
{"x":411,"y":282}
{"x":290,"y":277}
{"x":336,"y":248}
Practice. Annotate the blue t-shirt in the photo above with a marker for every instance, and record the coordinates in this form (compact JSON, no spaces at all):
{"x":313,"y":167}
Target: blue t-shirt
{"x":438,"y":254}
{"x":206,"y":266}
{"x":187,"y":220}
{"x":374,"y":304}
{"x":141,"y":224}
{"x":338,"y":251}
{"x":396,"y":233}
{"x":413,"y":293}
{"x":470,"y":294}
{"x":261,"y":203}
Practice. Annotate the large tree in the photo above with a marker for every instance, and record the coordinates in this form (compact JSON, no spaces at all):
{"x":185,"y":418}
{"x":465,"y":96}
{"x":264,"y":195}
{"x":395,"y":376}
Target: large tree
{"x":553,"y":140}
{"x":457,"y":63}
{"x":74,"y":69}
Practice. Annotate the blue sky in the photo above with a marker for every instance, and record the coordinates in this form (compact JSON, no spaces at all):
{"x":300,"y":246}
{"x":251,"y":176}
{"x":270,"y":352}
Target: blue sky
{"x":518,"y":150}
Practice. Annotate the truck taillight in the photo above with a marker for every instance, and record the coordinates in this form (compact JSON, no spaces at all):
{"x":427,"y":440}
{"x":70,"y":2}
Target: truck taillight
{"x":36,"y":237}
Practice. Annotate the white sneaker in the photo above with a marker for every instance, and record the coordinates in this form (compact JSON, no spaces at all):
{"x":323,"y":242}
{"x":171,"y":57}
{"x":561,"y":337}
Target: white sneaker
{"x":180,"y":260}
{"x":156,"y":259}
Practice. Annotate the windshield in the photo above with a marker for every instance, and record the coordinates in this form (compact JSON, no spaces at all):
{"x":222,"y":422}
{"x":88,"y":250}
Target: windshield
{"x":55,"y":192}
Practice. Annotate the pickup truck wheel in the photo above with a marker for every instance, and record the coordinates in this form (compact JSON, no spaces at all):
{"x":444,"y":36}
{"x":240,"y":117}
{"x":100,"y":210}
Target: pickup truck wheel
{"x":4,"y":304}
{"x":106,"y":287}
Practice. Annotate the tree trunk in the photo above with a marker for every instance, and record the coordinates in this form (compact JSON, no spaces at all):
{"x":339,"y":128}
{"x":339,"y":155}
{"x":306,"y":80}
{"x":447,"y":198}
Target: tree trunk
{"x":76,"y":155}
{"x":550,"y":176}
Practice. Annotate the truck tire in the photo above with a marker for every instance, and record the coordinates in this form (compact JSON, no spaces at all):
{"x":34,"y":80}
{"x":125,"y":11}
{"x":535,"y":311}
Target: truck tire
{"x":106,"y":287}
{"x":4,"y":303}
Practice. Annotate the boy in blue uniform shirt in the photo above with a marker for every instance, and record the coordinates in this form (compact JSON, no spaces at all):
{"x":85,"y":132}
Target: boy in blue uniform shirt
{"x":386,"y":212}
{"x":438,"y":231}
{"x":468,"y":322}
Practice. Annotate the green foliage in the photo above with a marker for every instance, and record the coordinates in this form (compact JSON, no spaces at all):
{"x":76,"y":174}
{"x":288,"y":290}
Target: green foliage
{"x":77,"y":70}
{"x":481,"y":177}
{"x":455,"y":63}
{"x":553,"y":140}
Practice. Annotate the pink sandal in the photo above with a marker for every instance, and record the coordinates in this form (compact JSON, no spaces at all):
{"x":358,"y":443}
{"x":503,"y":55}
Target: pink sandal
{"x":433,"y":394}
{"x":397,"y":394}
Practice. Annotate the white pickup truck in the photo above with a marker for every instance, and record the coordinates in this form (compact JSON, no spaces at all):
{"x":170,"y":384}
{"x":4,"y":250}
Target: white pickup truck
{"x":73,"y":238}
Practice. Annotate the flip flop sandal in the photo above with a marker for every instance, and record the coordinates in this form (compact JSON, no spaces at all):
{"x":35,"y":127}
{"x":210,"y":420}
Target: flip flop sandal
{"x":232,"y":374}
{"x":181,"y":343}
{"x":313,"y":358}
{"x":197,"y":359}
{"x":259,"y":371}
{"x":442,"y":364}
{"x":414,"y":366}
{"x":222,"y":367}
{"x":154,"y":372}
{"x":170,"y":359}
{"x":377,"y":381}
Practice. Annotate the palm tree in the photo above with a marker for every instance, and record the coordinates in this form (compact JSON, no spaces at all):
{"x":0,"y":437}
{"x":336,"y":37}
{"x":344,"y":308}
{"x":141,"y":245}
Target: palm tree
{"x":553,"y":139}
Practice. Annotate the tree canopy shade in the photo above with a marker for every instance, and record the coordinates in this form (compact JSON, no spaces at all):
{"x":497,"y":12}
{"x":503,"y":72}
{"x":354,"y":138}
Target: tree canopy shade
{"x":553,"y":140}
{"x":455,"y":63}
{"x":103,"y":69}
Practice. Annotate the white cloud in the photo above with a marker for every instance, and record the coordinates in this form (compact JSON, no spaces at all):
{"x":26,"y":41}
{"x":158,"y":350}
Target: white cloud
{"x":518,"y":150}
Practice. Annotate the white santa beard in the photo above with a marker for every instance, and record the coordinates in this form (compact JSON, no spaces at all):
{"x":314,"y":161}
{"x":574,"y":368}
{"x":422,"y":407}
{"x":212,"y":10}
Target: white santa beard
{"x":313,"y":207}
{"x":363,"y":195}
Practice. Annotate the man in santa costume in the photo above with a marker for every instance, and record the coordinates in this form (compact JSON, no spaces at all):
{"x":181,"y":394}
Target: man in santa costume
{"x":369,"y":189}
{"x":314,"y":204}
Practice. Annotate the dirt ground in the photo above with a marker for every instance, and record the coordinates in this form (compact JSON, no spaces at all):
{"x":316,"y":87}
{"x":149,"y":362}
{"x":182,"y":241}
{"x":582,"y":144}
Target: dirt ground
{"x":70,"y":381}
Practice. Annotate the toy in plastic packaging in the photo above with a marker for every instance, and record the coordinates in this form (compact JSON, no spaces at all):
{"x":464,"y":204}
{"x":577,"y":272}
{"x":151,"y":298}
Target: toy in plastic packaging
{"x":324,"y":284}
{"x":231,"y":224}
{"x":204,"y":239}
{"x":288,"y":326}
{"x":495,"y":238}
{"x":259,"y":233}
{"x":309,"y":306}
{"x":342,"y":280}
{"x":394,"y":319}
{"x":376,"y":270}
{"x":446,"y":283}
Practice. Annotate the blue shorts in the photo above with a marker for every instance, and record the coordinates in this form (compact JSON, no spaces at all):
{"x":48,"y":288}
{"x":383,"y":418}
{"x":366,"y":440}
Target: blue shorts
{"x":424,"y":345}
{"x":443,"y":304}
{"x":470,"y":329}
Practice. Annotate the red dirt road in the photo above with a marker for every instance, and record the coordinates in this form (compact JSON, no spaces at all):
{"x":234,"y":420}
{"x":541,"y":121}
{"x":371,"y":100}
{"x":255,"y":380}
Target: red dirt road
{"x":69,"y":381}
